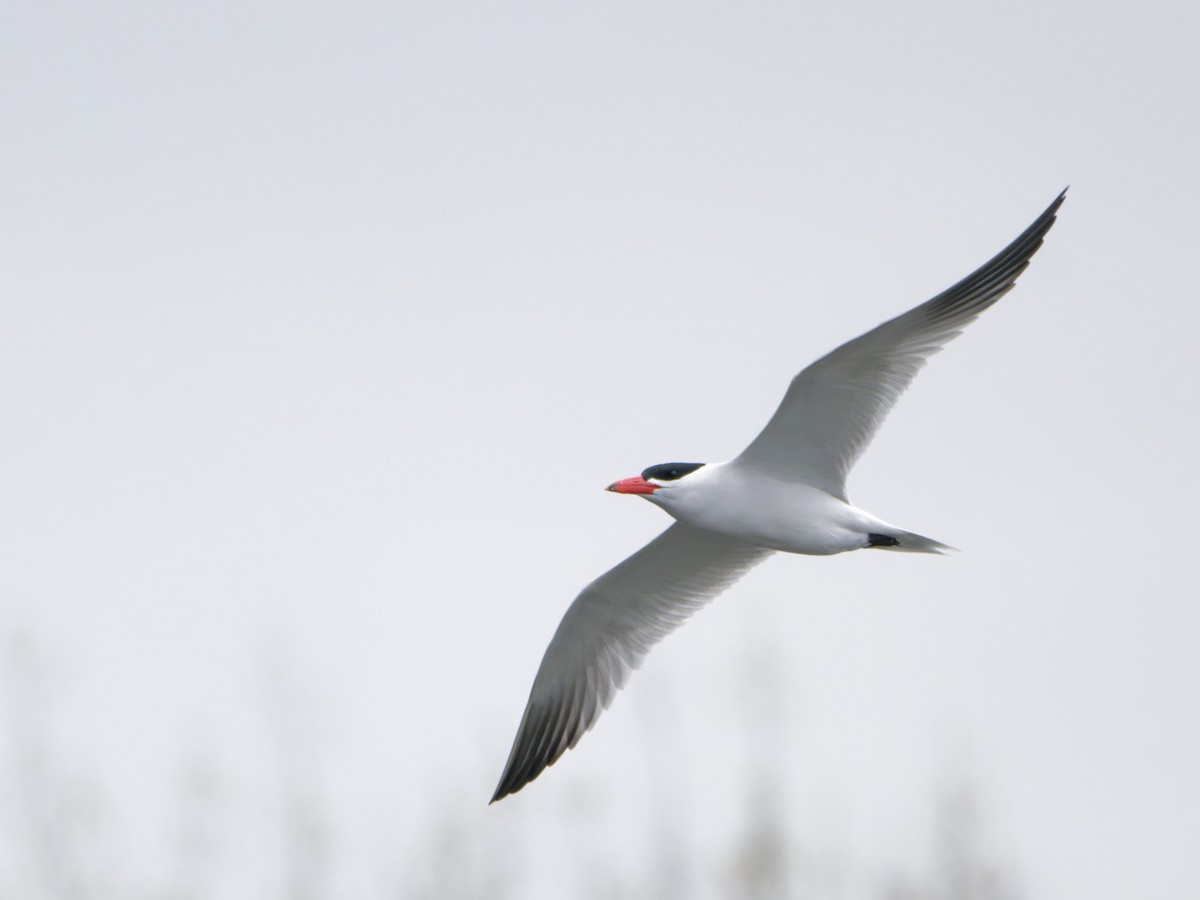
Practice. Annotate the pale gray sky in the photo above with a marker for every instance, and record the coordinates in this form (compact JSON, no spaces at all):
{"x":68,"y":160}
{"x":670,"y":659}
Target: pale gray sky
{"x":322,"y":329}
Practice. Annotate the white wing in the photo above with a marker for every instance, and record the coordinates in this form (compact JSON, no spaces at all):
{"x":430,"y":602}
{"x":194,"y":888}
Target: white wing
{"x":834,"y":407}
{"x":607,"y":631}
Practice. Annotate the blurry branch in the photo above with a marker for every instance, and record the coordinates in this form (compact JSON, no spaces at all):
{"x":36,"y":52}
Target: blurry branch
{"x":965,"y":868}
{"x":198,"y":826}
{"x":670,"y":841}
{"x":764,"y":857}
{"x":961,"y":868}
{"x":54,"y":820}
{"x":452,"y":864}
{"x":303,"y":815}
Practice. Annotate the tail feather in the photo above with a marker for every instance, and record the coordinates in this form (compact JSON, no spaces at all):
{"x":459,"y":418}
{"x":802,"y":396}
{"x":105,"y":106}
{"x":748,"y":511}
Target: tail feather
{"x":907,"y":542}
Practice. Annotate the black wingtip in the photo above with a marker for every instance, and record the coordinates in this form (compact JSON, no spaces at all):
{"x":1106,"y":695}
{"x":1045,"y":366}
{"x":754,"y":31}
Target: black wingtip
{"x":513,"y":780}
{"x":996,"y":277}
{"x":537,"y":745}
{"x":509,"y":784}
{"x":1046,"y":219}
{"x":516,"y":775}
{"x":503,"y":789}
{"x":1051,"y":212}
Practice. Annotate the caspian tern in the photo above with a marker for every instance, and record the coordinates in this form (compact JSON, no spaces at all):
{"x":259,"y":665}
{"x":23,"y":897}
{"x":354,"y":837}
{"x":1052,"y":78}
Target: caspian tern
{"x":786,"y":492}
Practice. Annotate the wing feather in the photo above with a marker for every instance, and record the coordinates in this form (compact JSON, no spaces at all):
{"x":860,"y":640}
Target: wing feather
{"x":833,"y":408}
{"x":611,"y":626}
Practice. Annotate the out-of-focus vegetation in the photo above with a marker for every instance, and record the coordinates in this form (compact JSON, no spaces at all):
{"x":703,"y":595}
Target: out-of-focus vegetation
{"x":55,"y":840}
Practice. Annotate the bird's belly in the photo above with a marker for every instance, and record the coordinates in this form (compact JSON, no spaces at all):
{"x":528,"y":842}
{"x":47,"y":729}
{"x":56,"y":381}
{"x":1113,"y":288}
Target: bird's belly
{"x":799,"y":519}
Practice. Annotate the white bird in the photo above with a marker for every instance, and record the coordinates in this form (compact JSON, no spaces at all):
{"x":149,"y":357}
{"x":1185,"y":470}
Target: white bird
{"x":786,"y":491}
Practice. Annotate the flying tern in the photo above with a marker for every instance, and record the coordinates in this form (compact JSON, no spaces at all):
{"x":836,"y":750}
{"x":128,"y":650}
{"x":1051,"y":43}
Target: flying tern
{"x":785,"y":492}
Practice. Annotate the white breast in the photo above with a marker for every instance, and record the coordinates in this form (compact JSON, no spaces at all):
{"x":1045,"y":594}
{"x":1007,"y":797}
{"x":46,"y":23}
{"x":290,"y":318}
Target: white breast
{"x":767,"y":512}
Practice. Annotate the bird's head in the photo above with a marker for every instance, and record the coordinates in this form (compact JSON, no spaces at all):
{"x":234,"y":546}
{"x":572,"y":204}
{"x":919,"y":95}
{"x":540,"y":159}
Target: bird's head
{"x":664,"y":478}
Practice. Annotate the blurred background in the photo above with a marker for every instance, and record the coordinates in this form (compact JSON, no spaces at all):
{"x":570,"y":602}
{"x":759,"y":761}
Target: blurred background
{"x":323,"y":327}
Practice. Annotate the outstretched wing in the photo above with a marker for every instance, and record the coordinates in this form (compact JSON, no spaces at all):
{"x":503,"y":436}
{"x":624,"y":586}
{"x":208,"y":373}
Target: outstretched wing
{"x":834,"y":407}
{"x":605,"y":633}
